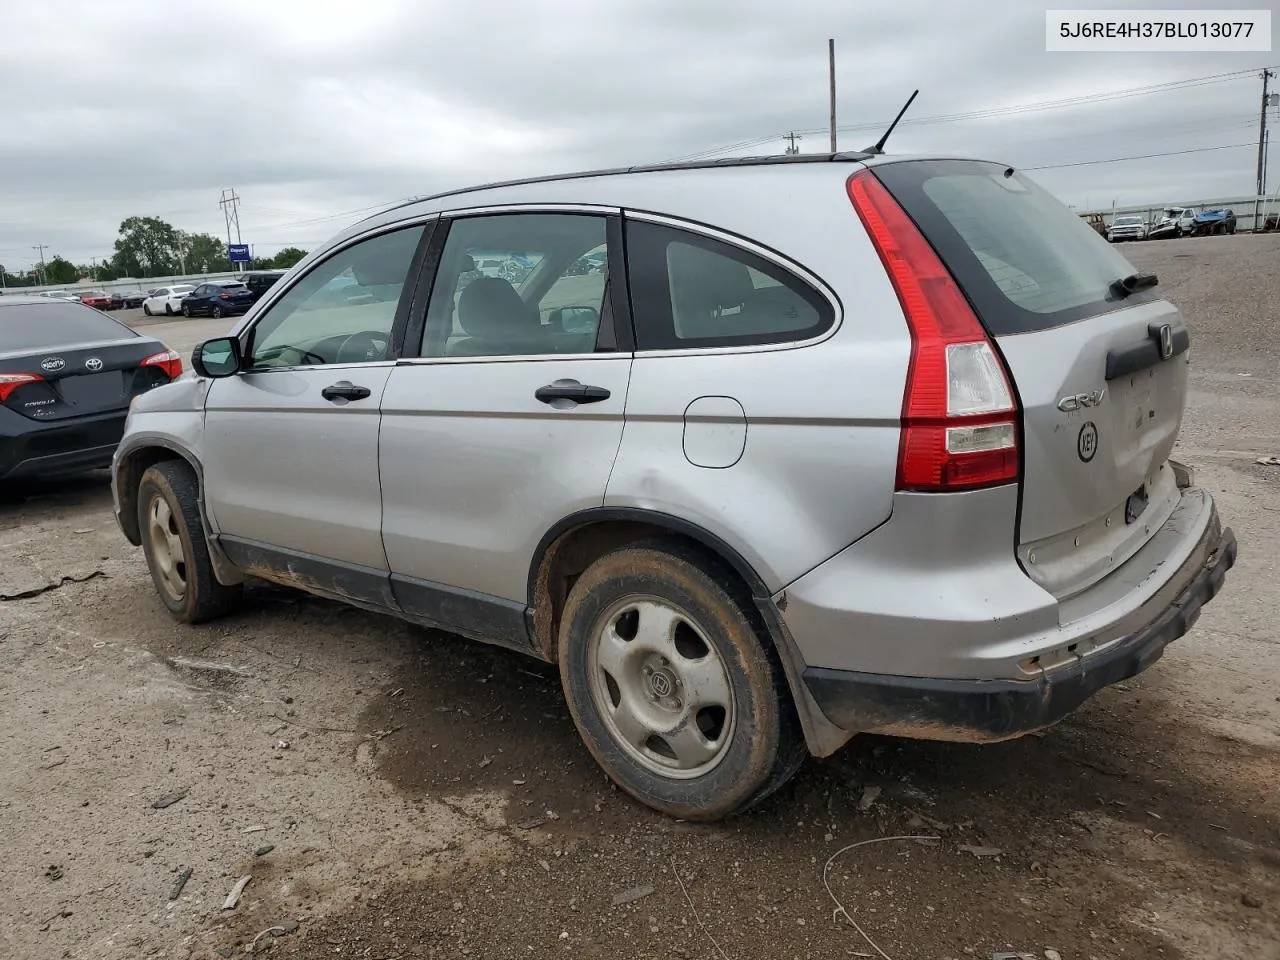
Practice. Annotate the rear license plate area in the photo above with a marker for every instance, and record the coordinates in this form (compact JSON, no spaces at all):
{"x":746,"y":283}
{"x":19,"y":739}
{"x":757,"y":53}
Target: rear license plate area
{"x":93,"y":391}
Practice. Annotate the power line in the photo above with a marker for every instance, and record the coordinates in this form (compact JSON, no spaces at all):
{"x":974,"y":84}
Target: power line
{"x":990,"y":113}
{"x":1145,"y":156}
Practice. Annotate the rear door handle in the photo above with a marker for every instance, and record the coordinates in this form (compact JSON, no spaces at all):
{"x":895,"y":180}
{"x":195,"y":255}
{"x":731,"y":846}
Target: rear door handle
{"x":345,"y":390}
{"x":570,"y":390}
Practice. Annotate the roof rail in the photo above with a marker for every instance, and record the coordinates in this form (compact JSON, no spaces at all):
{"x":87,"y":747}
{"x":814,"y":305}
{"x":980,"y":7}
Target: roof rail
{"x":848,"y":156}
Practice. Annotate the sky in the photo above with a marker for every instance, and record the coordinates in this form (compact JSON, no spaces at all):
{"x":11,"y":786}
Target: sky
{"x":318,"y":111}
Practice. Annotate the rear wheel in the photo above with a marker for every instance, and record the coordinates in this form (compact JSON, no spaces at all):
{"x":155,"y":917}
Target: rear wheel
{"x":168,"y":309}
{"x":671,"y":686}
{"x":174,"y":544}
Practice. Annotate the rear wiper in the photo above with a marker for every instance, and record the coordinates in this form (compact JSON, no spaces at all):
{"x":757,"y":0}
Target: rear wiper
{"x":1133,"y":283}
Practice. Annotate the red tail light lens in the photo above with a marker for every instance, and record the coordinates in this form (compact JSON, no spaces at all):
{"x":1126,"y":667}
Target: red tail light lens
{"x":170,"y":362}
{"x":10,"y":382}
{"x":959,"y":419}
{"x":224,"y":296}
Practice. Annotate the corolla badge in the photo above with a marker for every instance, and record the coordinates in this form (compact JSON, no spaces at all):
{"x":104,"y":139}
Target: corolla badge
{"x":52,"y":364}
{"x":93,"y":364}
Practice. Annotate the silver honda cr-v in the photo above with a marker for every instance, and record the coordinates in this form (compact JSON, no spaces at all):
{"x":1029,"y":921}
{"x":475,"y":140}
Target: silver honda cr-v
{"x":763,"y":454}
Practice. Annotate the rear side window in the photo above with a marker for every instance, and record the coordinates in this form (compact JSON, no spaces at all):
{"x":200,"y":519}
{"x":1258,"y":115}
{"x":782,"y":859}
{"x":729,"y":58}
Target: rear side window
{"x":58,"y":323}
{"x":688,"y":291}
{"x":1025,"y":261}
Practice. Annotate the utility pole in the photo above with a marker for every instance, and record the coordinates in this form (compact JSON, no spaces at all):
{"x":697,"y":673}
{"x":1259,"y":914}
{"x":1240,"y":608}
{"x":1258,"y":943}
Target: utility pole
{"x":831,"y":69}
{"x":1262,"y":135}
{"x":39,"y":249}
{"x":95,"y":268}
{"x":230,"y":204}
{"x":792,"y":149}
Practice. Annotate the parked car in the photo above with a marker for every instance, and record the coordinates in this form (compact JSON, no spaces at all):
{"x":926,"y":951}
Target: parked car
{"x":67,"y":376}
{"x":128,"y":300}
{"x":1214,"y":222}
{"x":1173,"y":222}
{"x":946,"y":524}
{"x":60,"y":295}
{"x":98,"y":299}
{"x":166,"y":300}
{"x":1127,"y":227}
{"x":218,"y":298}
{"x":260,"y":281}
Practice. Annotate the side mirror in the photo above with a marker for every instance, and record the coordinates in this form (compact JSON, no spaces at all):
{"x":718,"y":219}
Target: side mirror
{"x":575,"y":319}
{"x":217,"y":358}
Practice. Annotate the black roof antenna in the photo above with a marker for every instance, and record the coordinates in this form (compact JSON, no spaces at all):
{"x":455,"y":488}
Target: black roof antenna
{"x":878,"y":147}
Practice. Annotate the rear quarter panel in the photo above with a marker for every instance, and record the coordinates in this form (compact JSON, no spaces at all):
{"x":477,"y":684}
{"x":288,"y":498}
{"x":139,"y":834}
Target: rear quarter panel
{"x":820,"y":420}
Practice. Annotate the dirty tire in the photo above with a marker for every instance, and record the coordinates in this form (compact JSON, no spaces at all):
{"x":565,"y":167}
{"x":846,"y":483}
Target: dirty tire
{"x":174,"y":484}
{"x":763,"y":746}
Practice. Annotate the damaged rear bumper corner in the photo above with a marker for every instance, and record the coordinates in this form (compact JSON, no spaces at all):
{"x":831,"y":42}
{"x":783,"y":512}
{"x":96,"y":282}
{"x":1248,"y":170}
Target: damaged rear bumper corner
{"x":992,"y":710}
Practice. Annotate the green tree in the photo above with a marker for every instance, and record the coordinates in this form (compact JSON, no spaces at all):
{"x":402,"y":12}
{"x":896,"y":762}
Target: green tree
{"x":203,"y":252}
{"x":58,"y":271}
{"x":287,"y":257}
{"x":147,"y":247}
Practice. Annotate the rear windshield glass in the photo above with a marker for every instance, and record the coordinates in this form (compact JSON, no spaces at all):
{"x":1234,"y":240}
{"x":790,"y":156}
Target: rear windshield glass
{"x":40,"y":326}
{"x":1025,"y":261}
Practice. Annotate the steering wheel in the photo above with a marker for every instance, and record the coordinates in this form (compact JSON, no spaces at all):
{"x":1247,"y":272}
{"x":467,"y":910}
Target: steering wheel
{"x":363,"y":347}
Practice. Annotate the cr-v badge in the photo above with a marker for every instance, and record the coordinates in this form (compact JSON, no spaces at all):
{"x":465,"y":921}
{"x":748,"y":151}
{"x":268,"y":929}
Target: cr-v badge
{"x":1079,"y":401}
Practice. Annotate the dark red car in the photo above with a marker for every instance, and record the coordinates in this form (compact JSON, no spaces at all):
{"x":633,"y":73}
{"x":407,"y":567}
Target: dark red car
{"x":97,"y":299}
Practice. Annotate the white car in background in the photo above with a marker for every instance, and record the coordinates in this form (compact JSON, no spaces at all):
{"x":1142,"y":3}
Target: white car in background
{"x":166,"y":300}
{"x":60,"y":295}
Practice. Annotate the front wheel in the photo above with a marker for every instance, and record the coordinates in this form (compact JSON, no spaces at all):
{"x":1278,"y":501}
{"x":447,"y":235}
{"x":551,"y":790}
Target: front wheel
{"x":174,"y":544}
{"x":217,"y":313}
{"x":671,"y":686}
{"x":186,"y":310}
{"x":146,"y":309}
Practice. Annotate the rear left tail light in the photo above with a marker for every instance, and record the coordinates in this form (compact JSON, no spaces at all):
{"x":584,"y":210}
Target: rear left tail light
{"x":10,"y":382}
{"x":959,"y":416}
{"x":170,"y":361}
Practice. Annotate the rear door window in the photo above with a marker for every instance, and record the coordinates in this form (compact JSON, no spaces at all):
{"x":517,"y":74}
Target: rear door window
{"x":1025,"y":261}
{"x":58,"y":323}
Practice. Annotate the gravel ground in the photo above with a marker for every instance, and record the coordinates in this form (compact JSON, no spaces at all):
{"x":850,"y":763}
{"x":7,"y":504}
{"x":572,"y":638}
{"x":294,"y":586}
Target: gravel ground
{"x":396,"y":793}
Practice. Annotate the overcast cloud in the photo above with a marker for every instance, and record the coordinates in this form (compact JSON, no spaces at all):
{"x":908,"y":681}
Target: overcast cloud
{"x":318,"y":108}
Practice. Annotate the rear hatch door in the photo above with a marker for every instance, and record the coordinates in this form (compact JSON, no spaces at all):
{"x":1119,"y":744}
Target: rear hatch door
{"x":1101,"y":376}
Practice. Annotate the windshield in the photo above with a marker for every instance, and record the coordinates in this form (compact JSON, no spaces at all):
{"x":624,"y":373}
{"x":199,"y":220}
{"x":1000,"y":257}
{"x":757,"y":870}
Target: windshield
{"x":1126,"y":221}
{"x":44,"y":326}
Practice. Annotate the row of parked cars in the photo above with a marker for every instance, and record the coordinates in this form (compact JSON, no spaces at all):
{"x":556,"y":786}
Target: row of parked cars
{"x":216,"y":298}
{"x":1173,"y":222}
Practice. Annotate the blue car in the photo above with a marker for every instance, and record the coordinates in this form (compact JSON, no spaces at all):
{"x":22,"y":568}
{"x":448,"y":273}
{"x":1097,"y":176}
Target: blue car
{"x":218,"y":298}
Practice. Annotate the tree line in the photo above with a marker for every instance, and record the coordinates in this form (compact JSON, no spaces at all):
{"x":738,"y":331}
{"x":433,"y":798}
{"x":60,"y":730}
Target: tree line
{"x":149,"y":247}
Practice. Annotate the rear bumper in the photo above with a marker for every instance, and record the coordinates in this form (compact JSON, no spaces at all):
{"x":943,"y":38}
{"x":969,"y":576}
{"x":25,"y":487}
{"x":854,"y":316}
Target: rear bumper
{"x":31,"y":448}
{"x":998,"y":709}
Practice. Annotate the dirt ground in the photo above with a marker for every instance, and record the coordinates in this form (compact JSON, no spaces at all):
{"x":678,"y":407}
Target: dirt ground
{"x":396,"y":793}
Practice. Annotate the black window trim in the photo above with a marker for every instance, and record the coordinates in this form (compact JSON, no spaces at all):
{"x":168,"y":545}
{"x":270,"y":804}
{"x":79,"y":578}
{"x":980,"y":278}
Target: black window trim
{"x":277,"y":291}
{"x":615,"y":308}
{"x":821,"y":295}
